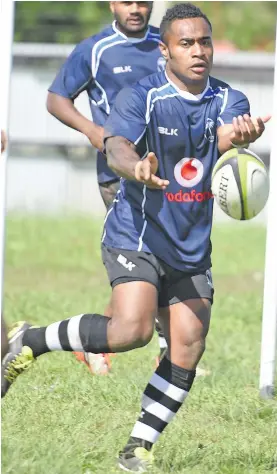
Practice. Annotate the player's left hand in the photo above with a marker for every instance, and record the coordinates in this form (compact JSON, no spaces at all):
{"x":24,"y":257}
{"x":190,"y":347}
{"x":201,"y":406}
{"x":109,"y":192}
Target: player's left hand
{"x":247,"y":129}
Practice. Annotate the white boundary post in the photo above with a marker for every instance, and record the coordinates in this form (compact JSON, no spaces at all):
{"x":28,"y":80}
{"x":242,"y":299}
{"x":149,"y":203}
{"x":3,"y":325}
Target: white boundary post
{"x":6,"y":40}
{"x":269,"y":323}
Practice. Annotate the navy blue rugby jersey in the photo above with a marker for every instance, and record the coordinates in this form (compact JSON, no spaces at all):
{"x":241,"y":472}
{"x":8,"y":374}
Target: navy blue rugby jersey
{"x":102,"y":65}
{"x":181,"y":129}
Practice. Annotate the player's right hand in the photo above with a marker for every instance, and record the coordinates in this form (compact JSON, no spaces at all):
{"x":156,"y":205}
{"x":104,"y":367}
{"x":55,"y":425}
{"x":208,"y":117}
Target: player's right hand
{"x":145,"y":173}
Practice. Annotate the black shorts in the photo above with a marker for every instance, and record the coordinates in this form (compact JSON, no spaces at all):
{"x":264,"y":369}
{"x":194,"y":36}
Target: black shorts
{"x":173,"y":285}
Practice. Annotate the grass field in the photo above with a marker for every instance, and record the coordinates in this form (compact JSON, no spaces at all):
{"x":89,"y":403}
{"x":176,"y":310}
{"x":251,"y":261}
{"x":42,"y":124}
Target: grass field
{"x":58,"y":419}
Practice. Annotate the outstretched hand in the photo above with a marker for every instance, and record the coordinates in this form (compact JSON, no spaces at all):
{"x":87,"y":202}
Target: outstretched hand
{"x":145,"y":173}
{"x":247,"y":129}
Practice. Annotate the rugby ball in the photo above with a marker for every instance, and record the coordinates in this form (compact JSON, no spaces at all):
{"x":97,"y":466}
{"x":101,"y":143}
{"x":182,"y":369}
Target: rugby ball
{"x":240,"y":183}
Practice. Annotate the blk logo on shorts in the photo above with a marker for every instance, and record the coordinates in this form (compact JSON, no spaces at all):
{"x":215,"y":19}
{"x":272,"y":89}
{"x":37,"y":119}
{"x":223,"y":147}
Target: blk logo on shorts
{"x":123,"y":261}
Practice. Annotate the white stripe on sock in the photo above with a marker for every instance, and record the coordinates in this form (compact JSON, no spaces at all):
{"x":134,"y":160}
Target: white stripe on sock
{"x":52,"y":337}
{"x":162,"y":342}
{"x":157,"y":409}
{"x":168,"y":389}
{"x":73,"y":333}
{"x":143,"y":431}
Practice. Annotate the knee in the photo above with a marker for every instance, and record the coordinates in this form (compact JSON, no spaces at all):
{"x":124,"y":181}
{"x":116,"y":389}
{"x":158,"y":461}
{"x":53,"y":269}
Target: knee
{"x":132,"y":333}
{"x":194,"y":347}
{"x":140,"y":333}
{"x":199,"y":346}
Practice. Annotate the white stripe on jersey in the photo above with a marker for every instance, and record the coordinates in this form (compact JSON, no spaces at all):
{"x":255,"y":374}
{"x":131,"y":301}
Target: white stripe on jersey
{"x":145,"y":221}
{"x":95,"y":61}
{"x":93,"y":52}
{"x":104,"y":97}
{"x":161,"y":98}
{"x":108,"y":213}
{"x":148,"y":99}
{"x":225,"y":100}
{"x":101,"y":51}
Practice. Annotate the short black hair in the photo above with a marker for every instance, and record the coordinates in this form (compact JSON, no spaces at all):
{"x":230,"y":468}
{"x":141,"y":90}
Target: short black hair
{"x":179,"y":12}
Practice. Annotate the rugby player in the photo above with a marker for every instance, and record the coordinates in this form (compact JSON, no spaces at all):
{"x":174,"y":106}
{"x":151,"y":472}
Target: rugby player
{"x":102,"y":65}
{"x":156,"y":240}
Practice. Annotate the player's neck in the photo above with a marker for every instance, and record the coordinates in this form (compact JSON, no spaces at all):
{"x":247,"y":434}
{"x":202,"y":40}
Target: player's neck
{"x":132,"y":34}
{"x":194,"y":89}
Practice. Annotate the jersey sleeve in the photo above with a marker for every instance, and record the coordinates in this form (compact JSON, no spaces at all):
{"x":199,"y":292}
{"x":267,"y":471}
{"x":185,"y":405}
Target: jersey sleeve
{"x":234,"y":103}
{"x":127,"y":118}
{"x":75,"y":74}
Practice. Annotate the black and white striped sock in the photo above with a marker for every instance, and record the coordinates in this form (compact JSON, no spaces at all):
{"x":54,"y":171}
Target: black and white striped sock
{"x":85,"y":332}
{"x":162,"y":398}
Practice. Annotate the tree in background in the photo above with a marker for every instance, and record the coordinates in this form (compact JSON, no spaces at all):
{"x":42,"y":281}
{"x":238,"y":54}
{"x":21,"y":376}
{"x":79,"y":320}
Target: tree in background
{"x":59,"y":22}
{"x":248,"y":25}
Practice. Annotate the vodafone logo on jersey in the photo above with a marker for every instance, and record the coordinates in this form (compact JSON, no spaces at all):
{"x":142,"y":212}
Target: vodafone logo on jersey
{"x":188,"y":172}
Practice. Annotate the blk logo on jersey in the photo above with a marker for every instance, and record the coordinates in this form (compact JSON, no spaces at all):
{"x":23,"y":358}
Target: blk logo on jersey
{"x":168,"y":131}
{"x":209,"y":130}
{"x":121,"y":69}
{"x":188,"y":172}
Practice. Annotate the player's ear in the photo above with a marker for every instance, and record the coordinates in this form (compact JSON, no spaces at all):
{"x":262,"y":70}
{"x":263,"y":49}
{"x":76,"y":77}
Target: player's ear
{"x":164,"y":50}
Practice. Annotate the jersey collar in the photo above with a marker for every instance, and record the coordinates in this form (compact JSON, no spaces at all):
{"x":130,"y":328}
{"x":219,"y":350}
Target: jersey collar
{"x":128,"y":38}
{"x":187,"y":95}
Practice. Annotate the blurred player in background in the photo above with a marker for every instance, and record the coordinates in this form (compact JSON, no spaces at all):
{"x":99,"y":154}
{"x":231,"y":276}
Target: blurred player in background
{"x":102,"y":65}
{"x":164,"y":241}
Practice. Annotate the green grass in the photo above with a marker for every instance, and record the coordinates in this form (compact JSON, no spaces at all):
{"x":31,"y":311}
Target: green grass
{"x":58,"y":419}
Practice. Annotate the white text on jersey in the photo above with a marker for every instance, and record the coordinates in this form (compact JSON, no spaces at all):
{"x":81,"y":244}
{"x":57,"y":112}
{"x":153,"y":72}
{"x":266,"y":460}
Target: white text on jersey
{"x":120,"y":69}
{"x":168,"y":131}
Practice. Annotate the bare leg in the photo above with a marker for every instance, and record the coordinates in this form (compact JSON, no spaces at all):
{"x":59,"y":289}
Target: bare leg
{"x":186,"y":325}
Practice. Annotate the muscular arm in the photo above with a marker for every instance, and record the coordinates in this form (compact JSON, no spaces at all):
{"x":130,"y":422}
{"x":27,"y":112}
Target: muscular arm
{"x":65,"y":111}
{"x":122,"y":157}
